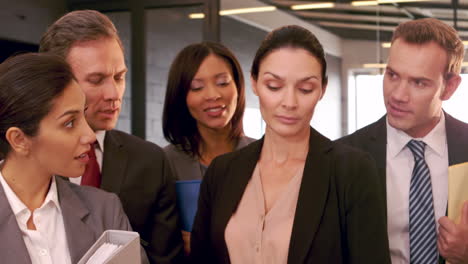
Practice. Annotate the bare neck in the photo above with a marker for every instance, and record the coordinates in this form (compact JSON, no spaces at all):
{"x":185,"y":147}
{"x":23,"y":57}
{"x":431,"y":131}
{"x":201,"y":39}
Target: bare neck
{"x":26,"y":181}
{"x":214,"y":142}
{"x":280,"y":150}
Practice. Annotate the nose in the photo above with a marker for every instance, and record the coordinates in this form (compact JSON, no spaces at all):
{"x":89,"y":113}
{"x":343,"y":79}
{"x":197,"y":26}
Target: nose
{"x":211,"y":93}
{"x":88,"y":136}
{"x":111,"y":91}
{"x":400,"y":92}
{"x":290,"y":99}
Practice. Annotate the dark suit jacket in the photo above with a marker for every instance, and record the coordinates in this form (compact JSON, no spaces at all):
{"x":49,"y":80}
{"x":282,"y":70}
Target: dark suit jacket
{"x":87,"y":212}
{"x":373,"y":139}
{"x":139,"y":173}
{"x":339,"y":215}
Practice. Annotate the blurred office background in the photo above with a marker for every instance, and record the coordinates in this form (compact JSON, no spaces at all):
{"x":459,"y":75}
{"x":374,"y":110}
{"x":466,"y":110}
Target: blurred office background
{"x":355,"y":35}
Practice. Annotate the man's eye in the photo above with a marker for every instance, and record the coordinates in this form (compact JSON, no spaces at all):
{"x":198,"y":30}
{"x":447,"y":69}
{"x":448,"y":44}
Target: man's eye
{"x":95,"y":81}
{"x":120,"y":77}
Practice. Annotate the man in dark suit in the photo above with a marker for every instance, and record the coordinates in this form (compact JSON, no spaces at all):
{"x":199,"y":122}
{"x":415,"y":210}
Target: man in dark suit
{"x":136,"y":170}
{"x":416,"y":140}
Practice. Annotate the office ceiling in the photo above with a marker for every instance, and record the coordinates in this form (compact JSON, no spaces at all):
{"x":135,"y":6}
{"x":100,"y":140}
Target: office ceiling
{"x":376,"y":22}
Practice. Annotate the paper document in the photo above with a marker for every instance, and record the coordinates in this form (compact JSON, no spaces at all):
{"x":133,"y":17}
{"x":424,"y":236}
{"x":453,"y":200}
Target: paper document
{"x":103,"y":253}
{"x":114,"y":247}
{"x":457,"y":190}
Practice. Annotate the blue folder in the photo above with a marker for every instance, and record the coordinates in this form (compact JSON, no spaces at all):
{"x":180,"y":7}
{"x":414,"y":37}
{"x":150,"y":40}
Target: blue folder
{"x":187,"y":200}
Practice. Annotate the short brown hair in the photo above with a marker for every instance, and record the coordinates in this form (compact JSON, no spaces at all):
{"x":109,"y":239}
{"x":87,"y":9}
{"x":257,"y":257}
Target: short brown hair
{"x":179,"y":126}
{"x":422,"y":31}
{"x":81,"y":25}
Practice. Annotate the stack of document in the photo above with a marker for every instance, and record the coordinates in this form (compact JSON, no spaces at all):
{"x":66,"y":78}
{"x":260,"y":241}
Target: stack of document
{"x":116,"y":247}
{"x":103,"y":253}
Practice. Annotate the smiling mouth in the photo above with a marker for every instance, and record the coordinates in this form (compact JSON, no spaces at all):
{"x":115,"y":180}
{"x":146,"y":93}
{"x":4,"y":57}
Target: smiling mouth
{"x":215,"y":109}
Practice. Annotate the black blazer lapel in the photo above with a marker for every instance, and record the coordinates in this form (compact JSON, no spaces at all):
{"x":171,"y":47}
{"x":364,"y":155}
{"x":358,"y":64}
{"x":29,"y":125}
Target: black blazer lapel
{"x":114,"y":163}
{"x":239,"y":175}
{"x":13,"y":249}
{"x":79,"y":234}
{"x":311,"y":204}
{"x":377,"y":147}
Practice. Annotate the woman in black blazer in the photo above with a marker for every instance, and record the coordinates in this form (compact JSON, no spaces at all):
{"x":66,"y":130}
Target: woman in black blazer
{"x":293,"y":196}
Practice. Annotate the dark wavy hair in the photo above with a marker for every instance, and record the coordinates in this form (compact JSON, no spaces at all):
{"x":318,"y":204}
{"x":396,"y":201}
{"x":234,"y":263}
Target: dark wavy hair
{"x":290,"y":36}
{"x":179,"y":127}
{"x":29,"y":83}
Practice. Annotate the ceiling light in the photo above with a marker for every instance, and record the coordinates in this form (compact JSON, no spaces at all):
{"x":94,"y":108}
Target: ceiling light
{"x":197,"y":16}
{"x":247,"y":10}
{"x":377,"y":2}
{"x":375,"y":65}
{"x":313,"y":6}
{"x":386,"y":45}
{"x":364,"y":3}
{"x":236,"y":11}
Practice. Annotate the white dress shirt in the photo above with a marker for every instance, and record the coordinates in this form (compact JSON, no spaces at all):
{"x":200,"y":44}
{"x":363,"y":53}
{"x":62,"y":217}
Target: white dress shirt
{"x":48,"y":243}
{"x":99,"y":150}
{"x":400,"y":163}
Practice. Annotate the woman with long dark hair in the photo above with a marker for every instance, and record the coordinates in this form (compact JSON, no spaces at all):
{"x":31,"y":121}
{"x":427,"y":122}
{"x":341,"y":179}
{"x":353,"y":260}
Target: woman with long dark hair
{"x":203,"y":110}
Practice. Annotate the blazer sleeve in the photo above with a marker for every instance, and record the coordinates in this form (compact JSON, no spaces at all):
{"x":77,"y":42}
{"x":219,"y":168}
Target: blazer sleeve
{"x":121,"y":222}
{"x":365,"y":216}
{"x":165,"y":245}
{"x":120,"y":218}
{"x":200,"y":240}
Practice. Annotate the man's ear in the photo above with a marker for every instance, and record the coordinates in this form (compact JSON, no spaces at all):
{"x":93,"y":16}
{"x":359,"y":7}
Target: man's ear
{"x":19,"y":142}
{"x":451,"y":85}
{"x":254,"y":85}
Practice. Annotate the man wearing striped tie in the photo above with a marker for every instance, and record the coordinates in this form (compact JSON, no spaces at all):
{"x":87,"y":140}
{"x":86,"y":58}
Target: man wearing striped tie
{"x":414,"y":143}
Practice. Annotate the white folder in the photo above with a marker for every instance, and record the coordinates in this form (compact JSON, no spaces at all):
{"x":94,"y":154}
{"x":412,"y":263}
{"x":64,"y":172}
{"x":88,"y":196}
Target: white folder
{"x":128,"y":252}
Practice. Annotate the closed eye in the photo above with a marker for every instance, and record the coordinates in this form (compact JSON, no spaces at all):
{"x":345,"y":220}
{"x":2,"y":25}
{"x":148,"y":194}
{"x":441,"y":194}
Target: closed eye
{"x":273,"y":88}
{"x":223,"y":84}
{"x":196,"y":89}
{"x":305,"y":91}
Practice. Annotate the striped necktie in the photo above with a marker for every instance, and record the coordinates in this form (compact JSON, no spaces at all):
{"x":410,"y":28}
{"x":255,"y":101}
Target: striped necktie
{"x":422,"y":225}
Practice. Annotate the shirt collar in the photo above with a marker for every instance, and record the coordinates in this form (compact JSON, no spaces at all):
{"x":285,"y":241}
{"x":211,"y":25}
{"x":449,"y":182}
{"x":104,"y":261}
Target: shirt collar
{"x":100,"y":134}
{"x":436,"y":139}
{"x":18,"y":206}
